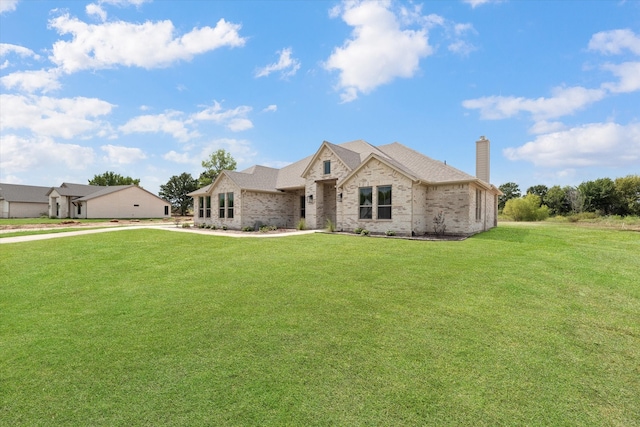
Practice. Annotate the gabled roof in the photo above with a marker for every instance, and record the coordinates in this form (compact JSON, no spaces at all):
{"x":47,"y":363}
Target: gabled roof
{"x":24,"y":193}
{"x":103,"y":191}
{"x":75,"y":190}
{"x":354,"y":155}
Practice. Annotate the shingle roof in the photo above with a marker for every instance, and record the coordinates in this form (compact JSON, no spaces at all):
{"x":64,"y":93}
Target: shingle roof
{"x":103,"y":191}
{"x":410,"y":162}
{"x":24,"y":193}
{"x":76,"y":190}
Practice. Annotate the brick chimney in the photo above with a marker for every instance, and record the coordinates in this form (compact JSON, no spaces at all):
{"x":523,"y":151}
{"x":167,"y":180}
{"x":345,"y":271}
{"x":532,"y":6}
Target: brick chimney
{"x":482,"y":159}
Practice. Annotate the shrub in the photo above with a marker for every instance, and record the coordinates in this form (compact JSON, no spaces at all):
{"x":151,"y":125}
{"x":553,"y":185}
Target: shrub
{"x":185,"y":225}
{"x":526,"y":209}
{"x":358,"y":230}
{"x":224,"y":227}
{"x":364,"y":233}
{"x":330,"y":226}
{"x":302,"y":224}
{"x":247,"y":228}
{"x":390,"y":233}
{"x":439,"y":226}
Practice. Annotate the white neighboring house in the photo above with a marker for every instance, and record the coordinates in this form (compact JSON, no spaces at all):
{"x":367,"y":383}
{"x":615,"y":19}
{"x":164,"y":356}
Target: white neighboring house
{"x":117,"y":201}
{"x":23,"y":201}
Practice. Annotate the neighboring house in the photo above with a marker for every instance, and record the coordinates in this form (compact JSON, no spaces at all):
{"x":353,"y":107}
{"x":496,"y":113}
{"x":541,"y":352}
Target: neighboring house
{"x":355,"y":185}
{"x":23,"y":201}
{"x":118,"y":201}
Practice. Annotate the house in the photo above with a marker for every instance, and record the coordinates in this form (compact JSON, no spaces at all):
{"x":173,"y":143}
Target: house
{"x":356,"y":185}
{"x":23,"y":201}
{"x":117,"y":201}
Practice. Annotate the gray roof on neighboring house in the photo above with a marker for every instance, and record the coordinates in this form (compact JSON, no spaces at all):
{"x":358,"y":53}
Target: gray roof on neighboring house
{"x":24,"y":193}
{"x":415,"y":165}
{"x":75,"y":190}
{"x":103,"y":191}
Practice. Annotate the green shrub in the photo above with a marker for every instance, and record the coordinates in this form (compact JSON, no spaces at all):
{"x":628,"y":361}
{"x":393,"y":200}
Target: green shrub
{"x":224,"y":227}
{"x":247,"y":228}
{"x":267,"y":228}
{"x":330,"y":226}
{"x":364,"y":233}
{"x":526,"y":208}
{"x":358,"y":230}
{"x":302,"y":224}
{"x":185,"y":225}
{"x":390,"y":233}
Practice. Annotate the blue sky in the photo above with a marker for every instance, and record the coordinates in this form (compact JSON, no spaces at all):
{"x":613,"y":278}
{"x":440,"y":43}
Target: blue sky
{"x":149,"y":89}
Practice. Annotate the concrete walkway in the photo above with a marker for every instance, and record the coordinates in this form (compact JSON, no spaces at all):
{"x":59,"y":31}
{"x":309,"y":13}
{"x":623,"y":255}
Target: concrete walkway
{"x":167,"y":227}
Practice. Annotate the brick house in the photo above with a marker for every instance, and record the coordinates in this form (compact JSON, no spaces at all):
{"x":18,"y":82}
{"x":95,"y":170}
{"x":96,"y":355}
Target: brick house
{"x":355,"y":185}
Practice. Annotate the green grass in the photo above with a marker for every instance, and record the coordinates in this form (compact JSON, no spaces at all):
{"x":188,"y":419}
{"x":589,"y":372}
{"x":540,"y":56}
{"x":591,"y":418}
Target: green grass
{"x":522,"y":325}
{"x":19,"y":233}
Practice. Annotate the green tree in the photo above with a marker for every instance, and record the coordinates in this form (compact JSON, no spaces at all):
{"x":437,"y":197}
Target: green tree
{"x":176,"y":189}
{"x":526,"y":208}
{"x":628,"y":195}
{"x":538,"y":190}
{"x":557,"y":200}
{"x":111,"y":178}
{"x":510,"y":190}
{"x":599,"y":195}
{"x":217,"y":162}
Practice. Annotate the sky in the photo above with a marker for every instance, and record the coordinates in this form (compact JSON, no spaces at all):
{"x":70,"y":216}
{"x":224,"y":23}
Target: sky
{"x":150,"y":88}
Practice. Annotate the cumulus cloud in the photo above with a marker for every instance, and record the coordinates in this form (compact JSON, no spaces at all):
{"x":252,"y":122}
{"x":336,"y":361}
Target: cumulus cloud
{"x":7,"y":48}
{"x":628,"y":74}
{"x":609,"y":144}
{"x":286,"y":65}
{"x":565,"y":100}
{"x":122,"y":155}
{"x":93,"y":9}
{"x":184,"y":158}
{"x":32,"y":81}
{"x":8,"y":5}
{"x":171,"y":122}
{"x":378,"y":51}
{"x":615,"y":42}
{"x":53,"y":117}
{"x":148,"y":45}
{"x":270,"y":109}
{"x":19,"y":154}
{"x":235,"y":119}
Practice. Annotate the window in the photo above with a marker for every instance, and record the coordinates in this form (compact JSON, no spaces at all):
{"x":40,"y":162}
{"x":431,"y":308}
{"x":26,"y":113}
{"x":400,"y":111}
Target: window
{"x":221,"y":205}
{"x":200,"y":207}
{"x":166,"y":210}
{"x":478,"y":205}
{"x":366,"y":203}
{"x":327,"y":167}
{"x":384,"y":202}
{"x":302,"y":206}
{"x":229,"y":205}
{"x":207,"y":201}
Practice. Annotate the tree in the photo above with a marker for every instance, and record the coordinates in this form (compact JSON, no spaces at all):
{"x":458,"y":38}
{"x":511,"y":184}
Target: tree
{"x":176,"y":189}
{"x":112,"y":178}
{"x":628,"y":195}
{"x":526,"y":208}
{"x":599,"y":195}
{"x":218,"y":161}
{"x":557,"y":199}
{"x":538,"y":190}
{"x":510,"y":191}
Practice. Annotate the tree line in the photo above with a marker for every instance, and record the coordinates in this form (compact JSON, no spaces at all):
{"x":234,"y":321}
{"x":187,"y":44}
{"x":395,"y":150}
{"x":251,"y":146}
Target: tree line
{"x":603,"y":196}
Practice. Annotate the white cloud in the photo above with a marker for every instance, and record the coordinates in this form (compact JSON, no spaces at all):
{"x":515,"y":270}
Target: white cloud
{"x":461,"y":47}
{"x":148,"y":45}
{"x":122,"y":155}
{"x":476,"y":3}
{"x":615,"y":42}
{"x":183,"y":158}
{"x":378,"y":51}
{"x":8,"y":5}
{"x":32,"y":81}
{"x":235,"y":120}
{"x":170,"y":123}
{"x":602,"y":144}
{"x":97,"y":10}
{"x":270,"y":109}
{"x":565,"y":100}
{"x":7,"y":48}
{"x":287,"y":65}
{"x":629,"y":75}
{"x":53,"y":117}
{"x":22,"y":154}
{"x":544,"y":126}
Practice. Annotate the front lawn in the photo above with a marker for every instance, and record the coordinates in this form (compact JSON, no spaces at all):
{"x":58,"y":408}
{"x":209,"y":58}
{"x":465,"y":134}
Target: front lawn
{"x":522,"y":325}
